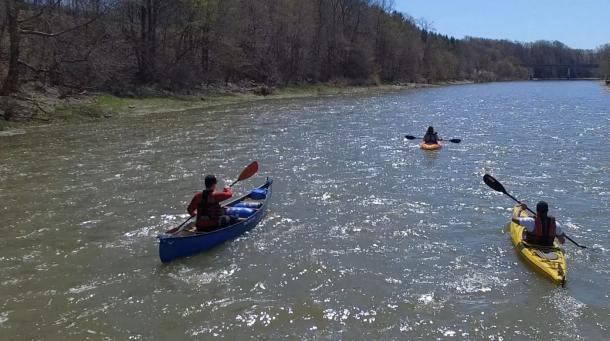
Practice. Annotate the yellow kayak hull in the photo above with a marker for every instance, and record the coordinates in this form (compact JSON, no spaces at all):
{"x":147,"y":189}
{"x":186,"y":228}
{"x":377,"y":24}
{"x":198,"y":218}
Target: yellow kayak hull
{"x":548,"y":261}
{"x":433,"y":146}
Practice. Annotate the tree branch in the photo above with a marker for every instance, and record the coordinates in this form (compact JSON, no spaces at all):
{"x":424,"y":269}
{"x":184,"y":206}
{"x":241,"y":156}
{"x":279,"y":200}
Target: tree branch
{"x":40,"y":12}
{"x":56,"y":34}
{"x":31,"y":67}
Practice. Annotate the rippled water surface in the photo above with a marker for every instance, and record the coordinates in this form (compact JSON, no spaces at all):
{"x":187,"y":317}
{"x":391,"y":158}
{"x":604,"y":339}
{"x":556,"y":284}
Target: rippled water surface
{"x":367,"y":236}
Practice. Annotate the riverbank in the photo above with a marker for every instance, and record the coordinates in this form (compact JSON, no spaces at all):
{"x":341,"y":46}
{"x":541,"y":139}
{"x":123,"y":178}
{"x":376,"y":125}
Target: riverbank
{"x":37,"y":105}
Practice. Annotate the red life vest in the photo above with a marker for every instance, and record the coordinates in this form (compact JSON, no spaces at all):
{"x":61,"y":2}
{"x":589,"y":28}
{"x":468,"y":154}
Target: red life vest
{"x":544,"y":234}
{"x":208,"y":211}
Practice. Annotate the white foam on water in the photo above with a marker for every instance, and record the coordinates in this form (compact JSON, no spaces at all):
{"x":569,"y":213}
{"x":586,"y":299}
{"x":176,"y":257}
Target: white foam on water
{"x":409,"y":232}
{"x":189,"y":276}
{"x":12,"y":132}
{"x":204,"y":331}
{"x":145,"y":231}
{"x":3,"y":317}
{"x":475,"y":282}
{"x":599,"y":247}
{"x":426,"y":298}
{"x":337,"y":315}
{"x":368,"y":316}
{"x":391,"y":280}
{"x":571,"y":225}
{"x":82,"y":288}
{"x":89,"y":223}
{"x":569,"y":311}
{"x":249,"y":318}
{"x":447,"y":332}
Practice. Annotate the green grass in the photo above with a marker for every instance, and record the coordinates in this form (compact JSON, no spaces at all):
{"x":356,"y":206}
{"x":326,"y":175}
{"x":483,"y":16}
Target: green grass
{"x":83,"y":111}
{"x":113,"y":103}
{"x":142,"y":105}
{"x":118,"y":104}
{"x":105,"y":105}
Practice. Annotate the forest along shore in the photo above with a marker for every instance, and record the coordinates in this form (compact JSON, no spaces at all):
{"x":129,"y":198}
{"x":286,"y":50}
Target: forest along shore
{"x":123,"y":47}
{"x":37,"y":104}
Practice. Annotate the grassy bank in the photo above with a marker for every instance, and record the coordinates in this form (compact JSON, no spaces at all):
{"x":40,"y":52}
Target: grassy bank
{"x":40,"y":107}
{"x":146,"y":105}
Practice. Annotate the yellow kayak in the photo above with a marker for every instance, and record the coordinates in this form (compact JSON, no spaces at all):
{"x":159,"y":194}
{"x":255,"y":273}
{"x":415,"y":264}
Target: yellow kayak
{"x":548,"y":261}
{"x":431,"y":146}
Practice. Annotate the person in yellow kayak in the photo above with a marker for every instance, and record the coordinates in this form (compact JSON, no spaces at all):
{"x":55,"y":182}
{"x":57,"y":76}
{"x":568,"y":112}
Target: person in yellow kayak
{"x":206,"y":206}
{"x":431,"y":137}
{"x":541,"y":230}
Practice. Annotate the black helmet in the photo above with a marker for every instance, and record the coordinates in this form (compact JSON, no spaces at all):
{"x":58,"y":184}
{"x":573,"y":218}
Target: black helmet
{"x":210,"y":180}
{"x":542,"y":207}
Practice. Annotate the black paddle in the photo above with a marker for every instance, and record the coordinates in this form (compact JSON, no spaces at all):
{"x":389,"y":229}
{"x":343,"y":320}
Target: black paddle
{"x":248,"y":172}
{"x":411,"y":137}
{"x":497,"y":186}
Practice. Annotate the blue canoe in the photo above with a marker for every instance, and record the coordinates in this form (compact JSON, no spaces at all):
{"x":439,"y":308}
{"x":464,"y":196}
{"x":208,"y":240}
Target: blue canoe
{"x":186,"y":243}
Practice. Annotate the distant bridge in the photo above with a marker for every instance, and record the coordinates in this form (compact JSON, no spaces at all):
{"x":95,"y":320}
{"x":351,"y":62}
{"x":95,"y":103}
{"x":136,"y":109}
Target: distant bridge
{"x":562,"y":71}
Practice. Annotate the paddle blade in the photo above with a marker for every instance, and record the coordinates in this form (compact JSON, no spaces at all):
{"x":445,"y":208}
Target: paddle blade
{"x":177,"y":228}
{"x":493,"y":183}
{"x":248,"y":171}
{"x":455,"y":140}
{"x":410,"y":137}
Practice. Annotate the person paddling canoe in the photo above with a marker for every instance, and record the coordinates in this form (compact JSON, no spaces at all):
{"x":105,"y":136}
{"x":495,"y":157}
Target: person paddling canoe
{"x":431,"y":137}
{"x":206,"y":206}
{"x":541,"y":230}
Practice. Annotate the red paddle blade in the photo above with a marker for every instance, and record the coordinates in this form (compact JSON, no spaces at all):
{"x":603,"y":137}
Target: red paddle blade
{"x":248,"y":171}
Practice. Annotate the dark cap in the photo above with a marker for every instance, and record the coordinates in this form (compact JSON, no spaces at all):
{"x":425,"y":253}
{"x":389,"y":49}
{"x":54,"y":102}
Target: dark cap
{"x":210,"y":180}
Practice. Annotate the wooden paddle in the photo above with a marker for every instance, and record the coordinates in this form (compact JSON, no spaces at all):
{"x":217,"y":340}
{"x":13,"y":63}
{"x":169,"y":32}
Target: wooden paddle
{"x":497,"y":186}
{"x":247,"y":173}
{"x":411,"y":137}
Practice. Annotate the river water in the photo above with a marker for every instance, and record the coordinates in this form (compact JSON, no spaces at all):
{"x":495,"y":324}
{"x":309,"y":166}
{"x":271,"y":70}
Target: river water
{"x":367,"y":237}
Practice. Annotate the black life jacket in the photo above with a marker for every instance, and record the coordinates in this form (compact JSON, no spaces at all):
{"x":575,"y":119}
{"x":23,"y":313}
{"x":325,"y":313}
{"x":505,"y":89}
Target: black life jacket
{"x":207,"y":210}
{"x":431,"y":138}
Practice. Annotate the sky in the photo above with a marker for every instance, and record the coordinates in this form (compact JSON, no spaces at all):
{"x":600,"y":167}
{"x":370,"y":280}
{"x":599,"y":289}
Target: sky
{"x":577,"y":23}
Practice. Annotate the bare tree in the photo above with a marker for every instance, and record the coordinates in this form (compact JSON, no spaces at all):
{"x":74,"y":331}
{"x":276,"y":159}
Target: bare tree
{"x":20,"y":27}
{"x":119,"y":45}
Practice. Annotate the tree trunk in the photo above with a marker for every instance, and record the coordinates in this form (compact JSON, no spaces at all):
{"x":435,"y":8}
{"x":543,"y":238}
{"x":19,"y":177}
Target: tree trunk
{"x":147,"y":40}
{"x":11,"y":83}
{"x":205,"y":51}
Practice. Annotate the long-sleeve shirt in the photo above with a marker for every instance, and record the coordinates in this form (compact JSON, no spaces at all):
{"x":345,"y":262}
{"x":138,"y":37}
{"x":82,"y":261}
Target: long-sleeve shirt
{"x":216,"y":197}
